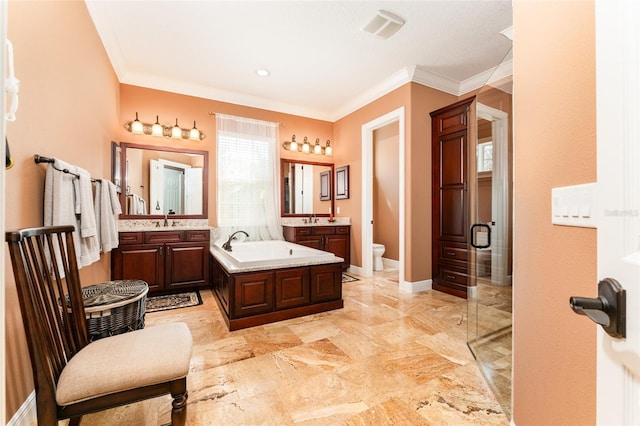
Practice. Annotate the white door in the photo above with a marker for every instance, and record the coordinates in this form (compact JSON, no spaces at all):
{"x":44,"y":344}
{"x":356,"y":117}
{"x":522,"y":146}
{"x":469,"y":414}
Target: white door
{"x":618,"y":133}
{"x":156,"y":191}
{"x":193,"y":190}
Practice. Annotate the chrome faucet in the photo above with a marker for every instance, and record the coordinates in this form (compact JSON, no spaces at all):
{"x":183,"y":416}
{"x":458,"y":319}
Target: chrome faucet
{"x":227,"y":245}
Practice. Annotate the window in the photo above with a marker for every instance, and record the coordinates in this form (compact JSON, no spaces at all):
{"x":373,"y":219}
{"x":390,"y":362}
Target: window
{"x":485,"y":157}
{"x":247,"y":177}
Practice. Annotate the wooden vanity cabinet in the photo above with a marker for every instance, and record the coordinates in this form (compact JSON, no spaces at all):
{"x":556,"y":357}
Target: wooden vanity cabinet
{"x":169,"y":261}
{"x":334,"y":238}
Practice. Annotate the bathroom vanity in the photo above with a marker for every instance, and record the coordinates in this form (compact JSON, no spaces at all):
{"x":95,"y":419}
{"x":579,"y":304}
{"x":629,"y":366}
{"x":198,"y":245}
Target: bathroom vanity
{"x":168,"y":261}
{"x":322,"y":236}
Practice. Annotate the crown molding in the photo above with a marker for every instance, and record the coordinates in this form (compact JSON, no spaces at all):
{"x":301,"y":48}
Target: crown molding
{"x":413,"y":73}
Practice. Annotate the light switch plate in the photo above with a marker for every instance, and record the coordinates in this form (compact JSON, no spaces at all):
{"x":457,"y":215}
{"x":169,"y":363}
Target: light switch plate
{"x":574,"y":205}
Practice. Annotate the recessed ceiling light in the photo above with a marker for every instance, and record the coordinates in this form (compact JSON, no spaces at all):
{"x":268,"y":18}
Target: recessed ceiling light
{"x":263,"y":72}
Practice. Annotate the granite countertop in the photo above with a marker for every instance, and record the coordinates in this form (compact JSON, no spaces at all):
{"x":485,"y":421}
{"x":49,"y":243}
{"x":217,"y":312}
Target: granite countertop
{"x":322,"y":221}
{"x":145,"y":225}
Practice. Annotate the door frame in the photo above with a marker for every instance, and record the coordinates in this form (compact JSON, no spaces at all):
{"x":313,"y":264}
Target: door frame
{"x":499,"y":213}
{"x":3,"y":66}
{"x":397,"y":115}
{"x":617,"y":37}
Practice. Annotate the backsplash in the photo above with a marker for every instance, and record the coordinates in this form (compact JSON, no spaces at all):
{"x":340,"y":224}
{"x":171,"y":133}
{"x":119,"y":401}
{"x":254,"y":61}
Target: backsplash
{"x":133,"y":225}
{"x":300,"y":221}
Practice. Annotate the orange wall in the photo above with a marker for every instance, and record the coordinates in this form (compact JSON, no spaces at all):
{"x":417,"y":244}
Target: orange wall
{"x":555,"y":145}
{"x":169,"y":106}
{"x":68,"y":109}
{"x":418,"y":101}
{"x":385,"y":189}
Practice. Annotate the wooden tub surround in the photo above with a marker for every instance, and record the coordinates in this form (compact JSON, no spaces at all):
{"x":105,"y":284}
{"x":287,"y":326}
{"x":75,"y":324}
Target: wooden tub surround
{"x":250,"y":296}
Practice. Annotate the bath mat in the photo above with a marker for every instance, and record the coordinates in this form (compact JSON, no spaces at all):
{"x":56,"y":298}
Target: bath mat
{"x":173,"y":301}
{"x":346,"y":278}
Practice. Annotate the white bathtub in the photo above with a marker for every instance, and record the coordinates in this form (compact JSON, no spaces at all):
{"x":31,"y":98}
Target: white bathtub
{"x":272,"y":254}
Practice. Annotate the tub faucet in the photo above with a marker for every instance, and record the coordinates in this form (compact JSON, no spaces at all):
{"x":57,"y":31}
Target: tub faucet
{"x":227,"y":245}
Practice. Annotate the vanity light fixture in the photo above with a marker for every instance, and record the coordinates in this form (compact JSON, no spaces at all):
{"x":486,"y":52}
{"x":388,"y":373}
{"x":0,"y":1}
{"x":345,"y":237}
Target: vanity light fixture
{"x":306,"y":148}
{"x":157,"y":129}
{"x":176,"y":131}
{"x":194,"y":133}
{"x":136,"y":126}
{"x":317,"y":149}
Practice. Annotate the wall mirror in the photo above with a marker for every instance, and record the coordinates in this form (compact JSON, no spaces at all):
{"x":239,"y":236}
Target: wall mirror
{"x":306,"y":188}
{"x":163,"y":180}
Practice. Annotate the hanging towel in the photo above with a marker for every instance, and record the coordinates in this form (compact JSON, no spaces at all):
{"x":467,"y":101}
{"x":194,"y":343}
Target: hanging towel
{"x":107,"y":207}
{"x":89,"y":244}
{"x":59,"y":201}
{"x":138,"y":205}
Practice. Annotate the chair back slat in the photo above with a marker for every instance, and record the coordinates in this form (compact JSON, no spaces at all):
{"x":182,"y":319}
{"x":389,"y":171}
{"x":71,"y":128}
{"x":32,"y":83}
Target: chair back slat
{"x":50,"y":295}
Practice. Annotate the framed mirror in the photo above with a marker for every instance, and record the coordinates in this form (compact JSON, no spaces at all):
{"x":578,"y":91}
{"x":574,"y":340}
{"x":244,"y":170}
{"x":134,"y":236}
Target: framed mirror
{"x":306,"y":188}
{"x":163,"y":180}
{"x":116,"y":172}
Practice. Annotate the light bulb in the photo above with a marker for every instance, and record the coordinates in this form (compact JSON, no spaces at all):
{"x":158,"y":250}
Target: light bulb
{"x":293,"y":146}
{"x":156,"y":129}
{"x":327,"y":149}
{"x":136,"y":126}
{"x":194,"y":134}
{"x":176,"y":131}
{"x":317,"y":149}
{"x":305,"y":146}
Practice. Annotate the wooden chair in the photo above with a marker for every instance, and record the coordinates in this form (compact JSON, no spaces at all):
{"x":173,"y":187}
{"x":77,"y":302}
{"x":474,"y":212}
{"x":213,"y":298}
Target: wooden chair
{"x":72,"y":376}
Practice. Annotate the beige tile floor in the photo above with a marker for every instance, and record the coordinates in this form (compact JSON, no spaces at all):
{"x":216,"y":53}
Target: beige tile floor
{"x":386,"y":358}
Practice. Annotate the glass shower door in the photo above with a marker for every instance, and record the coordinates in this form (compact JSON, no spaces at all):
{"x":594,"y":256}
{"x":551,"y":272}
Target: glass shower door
{"x":489,"y":297}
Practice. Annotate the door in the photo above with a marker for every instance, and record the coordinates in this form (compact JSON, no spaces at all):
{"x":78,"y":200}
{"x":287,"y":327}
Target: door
{"x":618,"y":157}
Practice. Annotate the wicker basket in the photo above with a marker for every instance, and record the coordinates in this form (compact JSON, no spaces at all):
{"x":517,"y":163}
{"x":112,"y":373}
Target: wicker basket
{"x":114,"y":307}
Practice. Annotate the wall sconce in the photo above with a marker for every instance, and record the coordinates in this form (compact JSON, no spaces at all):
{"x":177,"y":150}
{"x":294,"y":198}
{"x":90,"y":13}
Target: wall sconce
{"x":307,"y":148}
{"x":156,"y":129}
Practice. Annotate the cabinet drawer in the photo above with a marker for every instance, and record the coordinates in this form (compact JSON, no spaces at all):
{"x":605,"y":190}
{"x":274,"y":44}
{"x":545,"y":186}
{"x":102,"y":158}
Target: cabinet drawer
{"x":163,"y":237}
{"x":342,"y":229}
{"x":303,"y":231}
{"x":453,"y":252}
{"x":130,"y":238}
{"x":323,"y":230}
{"x":454,"y":277}
{"x":197,"y":235}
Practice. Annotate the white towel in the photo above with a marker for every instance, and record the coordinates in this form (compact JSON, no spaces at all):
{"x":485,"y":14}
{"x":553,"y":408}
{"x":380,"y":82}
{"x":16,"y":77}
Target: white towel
{"x":89,"y":244}
{"x":107,"y":207}
{"x":59,"y":201}
{"x":138,"y":205}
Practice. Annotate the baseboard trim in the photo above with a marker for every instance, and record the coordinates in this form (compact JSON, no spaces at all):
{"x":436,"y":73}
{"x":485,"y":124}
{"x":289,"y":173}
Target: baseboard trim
{"x":355,"y":269}
{"x":415,"y":287}
{"x":390,"y":263}
{"x":26,"y":414}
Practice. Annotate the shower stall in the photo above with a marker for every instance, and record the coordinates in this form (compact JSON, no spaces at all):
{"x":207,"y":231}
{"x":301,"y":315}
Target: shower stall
{"x":489,"y":296}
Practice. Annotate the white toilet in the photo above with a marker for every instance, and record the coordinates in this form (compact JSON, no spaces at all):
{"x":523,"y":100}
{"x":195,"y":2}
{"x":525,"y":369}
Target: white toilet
{"x":378,"y":251}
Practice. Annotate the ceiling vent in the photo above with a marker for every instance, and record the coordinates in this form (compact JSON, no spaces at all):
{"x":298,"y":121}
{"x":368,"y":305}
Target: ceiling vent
{"x":384,"y":24}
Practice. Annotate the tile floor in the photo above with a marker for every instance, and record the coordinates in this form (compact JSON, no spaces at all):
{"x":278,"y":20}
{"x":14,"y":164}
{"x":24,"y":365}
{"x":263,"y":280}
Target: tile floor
{"x":386,"y":358}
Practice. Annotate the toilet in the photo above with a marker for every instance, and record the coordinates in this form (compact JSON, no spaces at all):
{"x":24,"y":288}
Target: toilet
{"x":378,"y":251}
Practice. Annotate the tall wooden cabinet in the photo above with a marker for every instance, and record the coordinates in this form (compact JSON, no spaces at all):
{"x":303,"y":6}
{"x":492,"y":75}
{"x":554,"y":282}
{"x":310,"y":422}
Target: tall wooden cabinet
{"x":450,"y":198}
{"x":169,"y":261}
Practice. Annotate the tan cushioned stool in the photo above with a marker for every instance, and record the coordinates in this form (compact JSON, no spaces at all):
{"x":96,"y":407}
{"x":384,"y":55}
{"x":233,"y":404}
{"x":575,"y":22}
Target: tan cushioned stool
{"x":138,"y":358}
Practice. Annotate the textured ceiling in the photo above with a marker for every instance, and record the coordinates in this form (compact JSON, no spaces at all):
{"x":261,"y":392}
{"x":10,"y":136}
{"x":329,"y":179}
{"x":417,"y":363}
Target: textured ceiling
{"x":322,"y":65}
